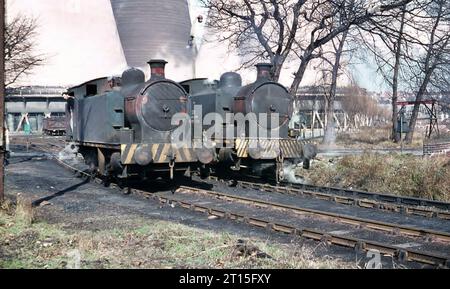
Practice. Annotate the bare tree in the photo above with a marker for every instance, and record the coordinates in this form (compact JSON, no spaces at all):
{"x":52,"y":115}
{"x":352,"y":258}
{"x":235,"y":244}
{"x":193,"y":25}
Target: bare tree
{"x":20,"y":58}
{"x":386,"y":40}
{"x":432,"y":66}
{"x":360,"y":107}
{"x":395,"y":78}
{"x":411,"y":50}
{"x":330,"y":95}
{"x":280,"y":29}
{"x":258,"y":30}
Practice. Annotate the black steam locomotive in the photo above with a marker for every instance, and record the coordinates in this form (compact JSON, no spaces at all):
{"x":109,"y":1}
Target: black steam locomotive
{"x":260,"y":144}
{"x":123,"y":126}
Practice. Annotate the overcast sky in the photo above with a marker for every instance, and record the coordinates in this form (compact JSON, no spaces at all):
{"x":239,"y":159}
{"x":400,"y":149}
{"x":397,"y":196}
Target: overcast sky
{"x":80,"y":41}
{"x":78,"y":44}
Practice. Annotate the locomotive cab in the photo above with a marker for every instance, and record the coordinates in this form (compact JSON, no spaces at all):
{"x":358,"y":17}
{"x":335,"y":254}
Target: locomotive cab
{"x":207,"y":98}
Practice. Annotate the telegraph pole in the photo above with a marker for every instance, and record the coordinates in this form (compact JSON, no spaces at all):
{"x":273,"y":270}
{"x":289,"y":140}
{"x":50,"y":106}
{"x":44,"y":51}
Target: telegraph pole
{"x":2,"y":100}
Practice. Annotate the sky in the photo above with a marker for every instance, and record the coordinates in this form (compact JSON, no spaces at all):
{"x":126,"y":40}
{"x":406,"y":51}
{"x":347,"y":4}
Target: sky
{"x":76,"y":45}
{"x":364,"y":72}
{"x":80,"y":41}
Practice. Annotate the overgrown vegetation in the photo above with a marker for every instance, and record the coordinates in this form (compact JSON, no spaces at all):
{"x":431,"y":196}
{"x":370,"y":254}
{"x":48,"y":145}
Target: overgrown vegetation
{"x":374,"y":137}
{"x":139,"y":243}
{"x":398,"y":174}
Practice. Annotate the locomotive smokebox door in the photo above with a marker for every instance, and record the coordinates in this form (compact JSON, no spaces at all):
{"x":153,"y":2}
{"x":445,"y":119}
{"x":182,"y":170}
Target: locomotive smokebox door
{"x":151,"y":111}
{"x":166,"y":101}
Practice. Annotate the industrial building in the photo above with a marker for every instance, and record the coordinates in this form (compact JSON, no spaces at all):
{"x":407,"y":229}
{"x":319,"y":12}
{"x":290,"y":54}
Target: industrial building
{"x":30,"y":105}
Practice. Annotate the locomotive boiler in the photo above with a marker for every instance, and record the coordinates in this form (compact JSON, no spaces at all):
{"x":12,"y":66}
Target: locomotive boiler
{"x":124,"y":126}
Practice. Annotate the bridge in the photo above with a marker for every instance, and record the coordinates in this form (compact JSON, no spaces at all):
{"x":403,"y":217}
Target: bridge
{"x":31,"y":104}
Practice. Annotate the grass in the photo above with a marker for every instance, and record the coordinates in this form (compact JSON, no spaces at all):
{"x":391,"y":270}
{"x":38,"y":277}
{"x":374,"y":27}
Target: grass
{"x":404,"y":175}
{"x":24,"y":210}
{"x":139,"y":243}
{"x":375,"y":138}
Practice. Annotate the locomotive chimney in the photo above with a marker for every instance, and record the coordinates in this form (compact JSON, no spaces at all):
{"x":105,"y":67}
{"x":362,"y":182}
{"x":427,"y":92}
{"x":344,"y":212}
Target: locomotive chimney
{"x":264,"y":71}
{"x":157,"y":68}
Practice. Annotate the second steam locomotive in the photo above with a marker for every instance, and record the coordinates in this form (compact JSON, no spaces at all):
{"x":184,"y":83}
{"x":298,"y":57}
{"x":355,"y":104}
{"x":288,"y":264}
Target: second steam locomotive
{"x":251,"y":124}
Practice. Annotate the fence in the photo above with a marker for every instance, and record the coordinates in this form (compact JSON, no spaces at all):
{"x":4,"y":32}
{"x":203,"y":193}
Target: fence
{"x":436,"y":149}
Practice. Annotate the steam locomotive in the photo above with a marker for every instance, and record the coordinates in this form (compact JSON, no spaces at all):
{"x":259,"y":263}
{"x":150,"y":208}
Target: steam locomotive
{"x":259,"y":144}
{"x":127,"y":127}
{"x":123,"y":126}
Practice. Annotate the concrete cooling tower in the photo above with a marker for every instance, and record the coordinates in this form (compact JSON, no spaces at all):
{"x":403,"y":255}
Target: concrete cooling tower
{"x":155,"y":29}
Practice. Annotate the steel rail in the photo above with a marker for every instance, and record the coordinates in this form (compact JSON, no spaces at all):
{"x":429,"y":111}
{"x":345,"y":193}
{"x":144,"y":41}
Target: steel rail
{"x":401,"y":254}
{"x":384,"y":202}
{"x":353,"y":198}
{"x":370,"y":224}
{"x":345,"y":195}
{"x":388,"y":198}
{"x":366,"y":223}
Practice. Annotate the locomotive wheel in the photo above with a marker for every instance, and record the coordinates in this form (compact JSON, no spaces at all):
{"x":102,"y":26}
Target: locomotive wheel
{"x":91,"y":159}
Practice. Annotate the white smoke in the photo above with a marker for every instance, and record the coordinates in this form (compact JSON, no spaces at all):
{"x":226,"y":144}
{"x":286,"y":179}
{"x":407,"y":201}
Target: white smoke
{"x":70,"y":152}
{"x":290,"y":174}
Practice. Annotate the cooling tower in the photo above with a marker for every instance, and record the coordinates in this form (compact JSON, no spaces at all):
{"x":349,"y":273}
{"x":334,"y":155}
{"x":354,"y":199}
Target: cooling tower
{"x":155,"y":29}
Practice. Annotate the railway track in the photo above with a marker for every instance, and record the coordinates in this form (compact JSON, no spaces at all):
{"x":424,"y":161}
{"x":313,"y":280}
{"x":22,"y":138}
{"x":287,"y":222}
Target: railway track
{"x":42,"y":144}
{"x":384,"y":202}
{"x":368,"y":200}
{"x":439,"y":148}
{"x":402,"y":201}
{"x":359,"y":244}
{"x":370,"y":224}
